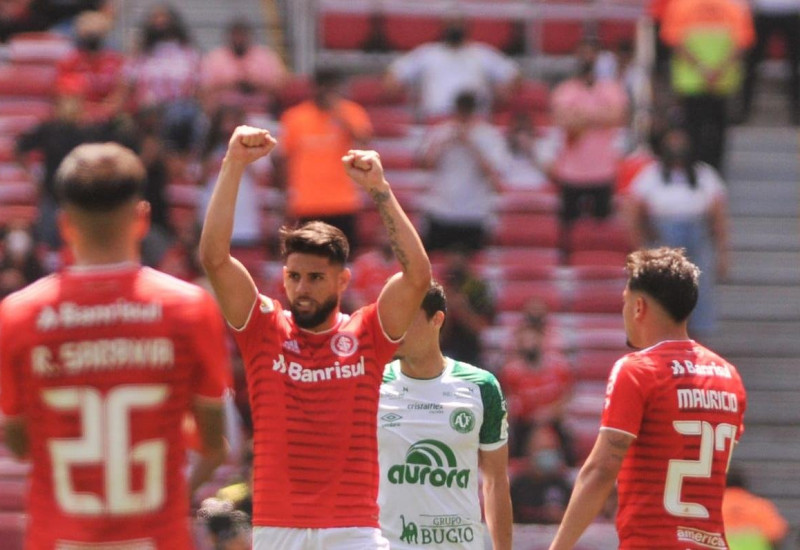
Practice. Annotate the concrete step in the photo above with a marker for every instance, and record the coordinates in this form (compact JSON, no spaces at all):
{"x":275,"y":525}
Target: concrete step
{"x":750,"y":195}
{"x":768,"y":373}
{"x":755,"y":233}
{"x":759,"y":303}
{"x":737,"y":337}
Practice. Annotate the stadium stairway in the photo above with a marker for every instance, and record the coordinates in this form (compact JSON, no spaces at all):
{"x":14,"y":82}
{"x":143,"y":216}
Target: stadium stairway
{"x":760,"y":303}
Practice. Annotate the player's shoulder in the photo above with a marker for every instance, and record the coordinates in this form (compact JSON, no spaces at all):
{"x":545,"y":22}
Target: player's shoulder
{"x":169,"y":288}
{"x":33,"y":296}
{"x":470,"y":373}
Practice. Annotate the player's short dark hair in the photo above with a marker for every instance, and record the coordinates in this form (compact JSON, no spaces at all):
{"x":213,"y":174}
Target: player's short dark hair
{"x":666,"y":275}
{"x":434,"y":300}
{"x":99,"y":177}
{"x":318,"y":238}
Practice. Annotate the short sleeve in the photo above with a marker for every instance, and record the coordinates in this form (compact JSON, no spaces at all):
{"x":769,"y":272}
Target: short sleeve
{"x":11,"y":402}
{"x":625,"y":398}
{"x":494,"y":430}
{"x":213,"y":360}
{"x":498,"y":67}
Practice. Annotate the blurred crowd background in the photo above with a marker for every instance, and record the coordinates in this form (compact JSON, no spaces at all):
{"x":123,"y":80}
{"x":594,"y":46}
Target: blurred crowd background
{"x":534,"y":144}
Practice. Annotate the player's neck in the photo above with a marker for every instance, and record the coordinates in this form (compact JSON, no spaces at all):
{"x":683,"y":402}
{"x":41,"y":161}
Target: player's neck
{"x":666,"y":333}
{"x":423,"y":367}
{"x":87,"y":255}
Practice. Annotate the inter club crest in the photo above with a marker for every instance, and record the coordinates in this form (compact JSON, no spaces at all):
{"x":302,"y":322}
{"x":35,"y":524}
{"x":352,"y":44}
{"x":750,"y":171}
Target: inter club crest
{"x":344,"y":344}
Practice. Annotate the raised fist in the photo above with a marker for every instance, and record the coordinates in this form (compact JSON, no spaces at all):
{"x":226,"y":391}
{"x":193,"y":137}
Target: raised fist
{"x":248,"y":144}
{"x":364,"y":167}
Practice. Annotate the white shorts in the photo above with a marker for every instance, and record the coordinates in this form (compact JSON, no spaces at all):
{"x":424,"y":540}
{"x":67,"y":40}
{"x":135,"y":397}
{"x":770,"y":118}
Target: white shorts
{"x":334,"y":538}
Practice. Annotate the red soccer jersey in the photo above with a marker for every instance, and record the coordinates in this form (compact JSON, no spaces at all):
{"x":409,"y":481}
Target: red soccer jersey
{"x":685,"y":406}
{"x":103,"y":365}
{"x":531,"y":389}
{"x":314,"y":400}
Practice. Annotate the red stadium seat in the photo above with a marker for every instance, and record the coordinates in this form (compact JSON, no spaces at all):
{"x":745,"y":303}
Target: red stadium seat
{"x":26,"y":81}
{"x":294,"y":91}
{"x":345,"y":31}
{"x":39,"y":48}
{"x":12,"y":530}
{"x":369,"y":90}
{"x":594,"y":364}
{"x":12,"y":495}
{"x":612,"y":32}
{"x":517,"y":257}
{"x":530,"y":96}
{"x":18,"y":192}
{"x":776,"y":47}
{"x":514,"y":295}
{"x":560,"y":37}
{"x":18,"y":214}
{"x":515,"y":229}
{"x":528,"y":201}
{"x":597,"y":297}
{"x":406,"y":32}
{"x":495,"y":32}
{"x":39,"y":108}
{"x":392,"y":121}
{"x":610,"y":234}
{"x":609,"y":258}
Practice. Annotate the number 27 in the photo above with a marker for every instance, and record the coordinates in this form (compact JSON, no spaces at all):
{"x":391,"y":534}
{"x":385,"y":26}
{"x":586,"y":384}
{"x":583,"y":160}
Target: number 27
{"x":711,"y":440}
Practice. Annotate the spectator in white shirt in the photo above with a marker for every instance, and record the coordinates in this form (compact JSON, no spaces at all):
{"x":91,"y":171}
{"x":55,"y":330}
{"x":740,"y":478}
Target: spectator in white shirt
{"x":442,"y":70}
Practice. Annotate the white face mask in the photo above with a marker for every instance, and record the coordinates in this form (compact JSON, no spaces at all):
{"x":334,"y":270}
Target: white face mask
{"x":19,"y":242}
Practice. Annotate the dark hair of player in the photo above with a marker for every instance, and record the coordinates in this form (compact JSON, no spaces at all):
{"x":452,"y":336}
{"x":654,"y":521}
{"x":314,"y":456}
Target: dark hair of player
{"x":99,"y":177}
{"x":434,"y":301}
{"x":318,"y":238}
{"x":667,"y":276}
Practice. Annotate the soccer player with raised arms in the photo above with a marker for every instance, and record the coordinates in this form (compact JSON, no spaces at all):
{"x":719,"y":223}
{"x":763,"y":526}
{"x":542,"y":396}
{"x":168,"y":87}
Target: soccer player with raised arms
{"x":100,"y":365}
{"x":442,"y":424}
{"x":313,"y":373}
{"x":673,"y":413}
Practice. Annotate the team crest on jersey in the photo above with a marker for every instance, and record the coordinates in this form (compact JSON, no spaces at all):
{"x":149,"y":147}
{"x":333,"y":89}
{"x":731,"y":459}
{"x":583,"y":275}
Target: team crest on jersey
{"x":462,"y":420}
{"x":344,"y":344}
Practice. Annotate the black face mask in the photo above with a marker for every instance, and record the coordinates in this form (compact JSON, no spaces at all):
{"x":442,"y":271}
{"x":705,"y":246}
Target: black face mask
{"x":532,"y":355}
{"x":90,"y":43}
{"x":586,"y":69}
{"x":675,"y":155}
{"x":454,"y":36}
{"x":239,"y":49}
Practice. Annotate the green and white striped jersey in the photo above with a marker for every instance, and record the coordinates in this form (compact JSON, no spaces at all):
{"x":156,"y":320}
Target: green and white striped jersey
{"x":429,"y":435}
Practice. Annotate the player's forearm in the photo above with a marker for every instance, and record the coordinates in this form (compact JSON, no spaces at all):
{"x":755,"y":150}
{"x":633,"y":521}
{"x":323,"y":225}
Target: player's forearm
{"x":215,"y":240}
{"x":592,"y":488}
{"x":405,"y":241}
{"x":498,"y":512}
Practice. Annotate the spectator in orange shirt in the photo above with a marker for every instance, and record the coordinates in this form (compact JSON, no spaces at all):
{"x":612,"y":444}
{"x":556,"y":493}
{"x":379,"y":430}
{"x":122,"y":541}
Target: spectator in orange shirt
{"x":315,"y":135}
{"x":708,"y":40}
{"x":751,"y":522}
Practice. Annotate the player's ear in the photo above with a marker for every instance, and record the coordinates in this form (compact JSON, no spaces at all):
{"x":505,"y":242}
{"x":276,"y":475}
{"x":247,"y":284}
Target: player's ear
{"x":640,"y":307}
{"x":438,"y":319}
{"x":344,"y":278}
{"x":65,"y":226}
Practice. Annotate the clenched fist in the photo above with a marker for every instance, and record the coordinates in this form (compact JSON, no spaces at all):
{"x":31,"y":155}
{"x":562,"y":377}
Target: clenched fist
{"x":364,"y":167}
{"x":248,"y":144}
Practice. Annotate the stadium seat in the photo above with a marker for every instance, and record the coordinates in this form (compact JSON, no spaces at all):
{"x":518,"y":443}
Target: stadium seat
{"x":368,"y":90}
{"x":18,"y":192}
{"x":530,"y":96}
{"x":527,"y":201}
{"x":495,"y":32}
{"x":14,"y":125}
{"x":17,"y":214}
{"x":610,"y":258}
{"x":612,"y":32}
{"x":12,"y":495}
{"x":406,"y":32}
{"x":776,"y":47}
{"x":44,"y":48}
{"x":295,"y":90}
{"x":344,"y":31}
{"x":597,"y":297}
{"x":390,"y":121}
{"x":516,"y":229}
{"x":514,"y":295}
{"x":12,"y":530}
{"x":39,"y":108}
{"x":7,"y":147}
{"x":590,"y":234}
{"x":26,"y":81}
{"x":594,"y":364}
{"x":560,"y":37}
{"x":518,"y":257}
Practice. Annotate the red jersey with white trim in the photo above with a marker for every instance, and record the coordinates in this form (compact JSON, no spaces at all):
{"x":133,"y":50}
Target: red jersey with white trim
{"x":685,"y":405}
{"x":103,"y":365}
{"x":314,"y":400}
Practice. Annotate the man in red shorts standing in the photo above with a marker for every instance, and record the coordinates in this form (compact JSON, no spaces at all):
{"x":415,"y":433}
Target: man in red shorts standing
{"x":673,"y":413}
{"x":313,"y":373}
{"x":100,"y":365}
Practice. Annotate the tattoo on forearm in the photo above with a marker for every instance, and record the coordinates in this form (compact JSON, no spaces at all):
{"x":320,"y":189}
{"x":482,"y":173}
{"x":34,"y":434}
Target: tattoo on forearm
{"x":382,"y":199}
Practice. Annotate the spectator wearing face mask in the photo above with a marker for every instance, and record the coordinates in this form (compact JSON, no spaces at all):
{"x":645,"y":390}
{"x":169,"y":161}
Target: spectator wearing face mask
{"x":241,"y":72}
{"x":540,"y":490}
{"x":99,"y":67}
{"x":680,"y":202}
{"x":442,"y":70}
{"x":538,"y":384}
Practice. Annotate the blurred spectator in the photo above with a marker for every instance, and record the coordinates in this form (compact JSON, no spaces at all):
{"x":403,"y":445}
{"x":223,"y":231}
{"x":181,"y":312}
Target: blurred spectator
{"x":656,"y":10}
{"x":708,"y":39}
{"x":773,"y":17}
{"x":525,"y":170}
{"x":589,"y":112}
{"x":371,"y":269}
{"x":315,"y":135}
{"x":53,"y":139}
{"x":470,"y":309}
{"x":19,"y":263}
{"x":228,"y":528}
{"x":538,"y":385}
{"x":751,"y":522}
{"x":467,"y":156}
{"x":61,"y":14}
{"x":165,"y":73}
{"x":241,"y":72}
{"x":443,"y":70}
{"x":19,"y":16}
{"x":100,"y":67}
{"x":540,"y":491}
{"x":681,"y":202}
{"x":247,"y":220}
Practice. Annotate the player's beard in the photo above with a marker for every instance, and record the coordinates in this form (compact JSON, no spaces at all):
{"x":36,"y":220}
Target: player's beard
{"x":314,"y":318}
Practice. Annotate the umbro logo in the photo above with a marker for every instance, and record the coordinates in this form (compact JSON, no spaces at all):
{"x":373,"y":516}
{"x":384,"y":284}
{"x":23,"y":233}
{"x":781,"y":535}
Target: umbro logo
{"x":291,"y":345}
